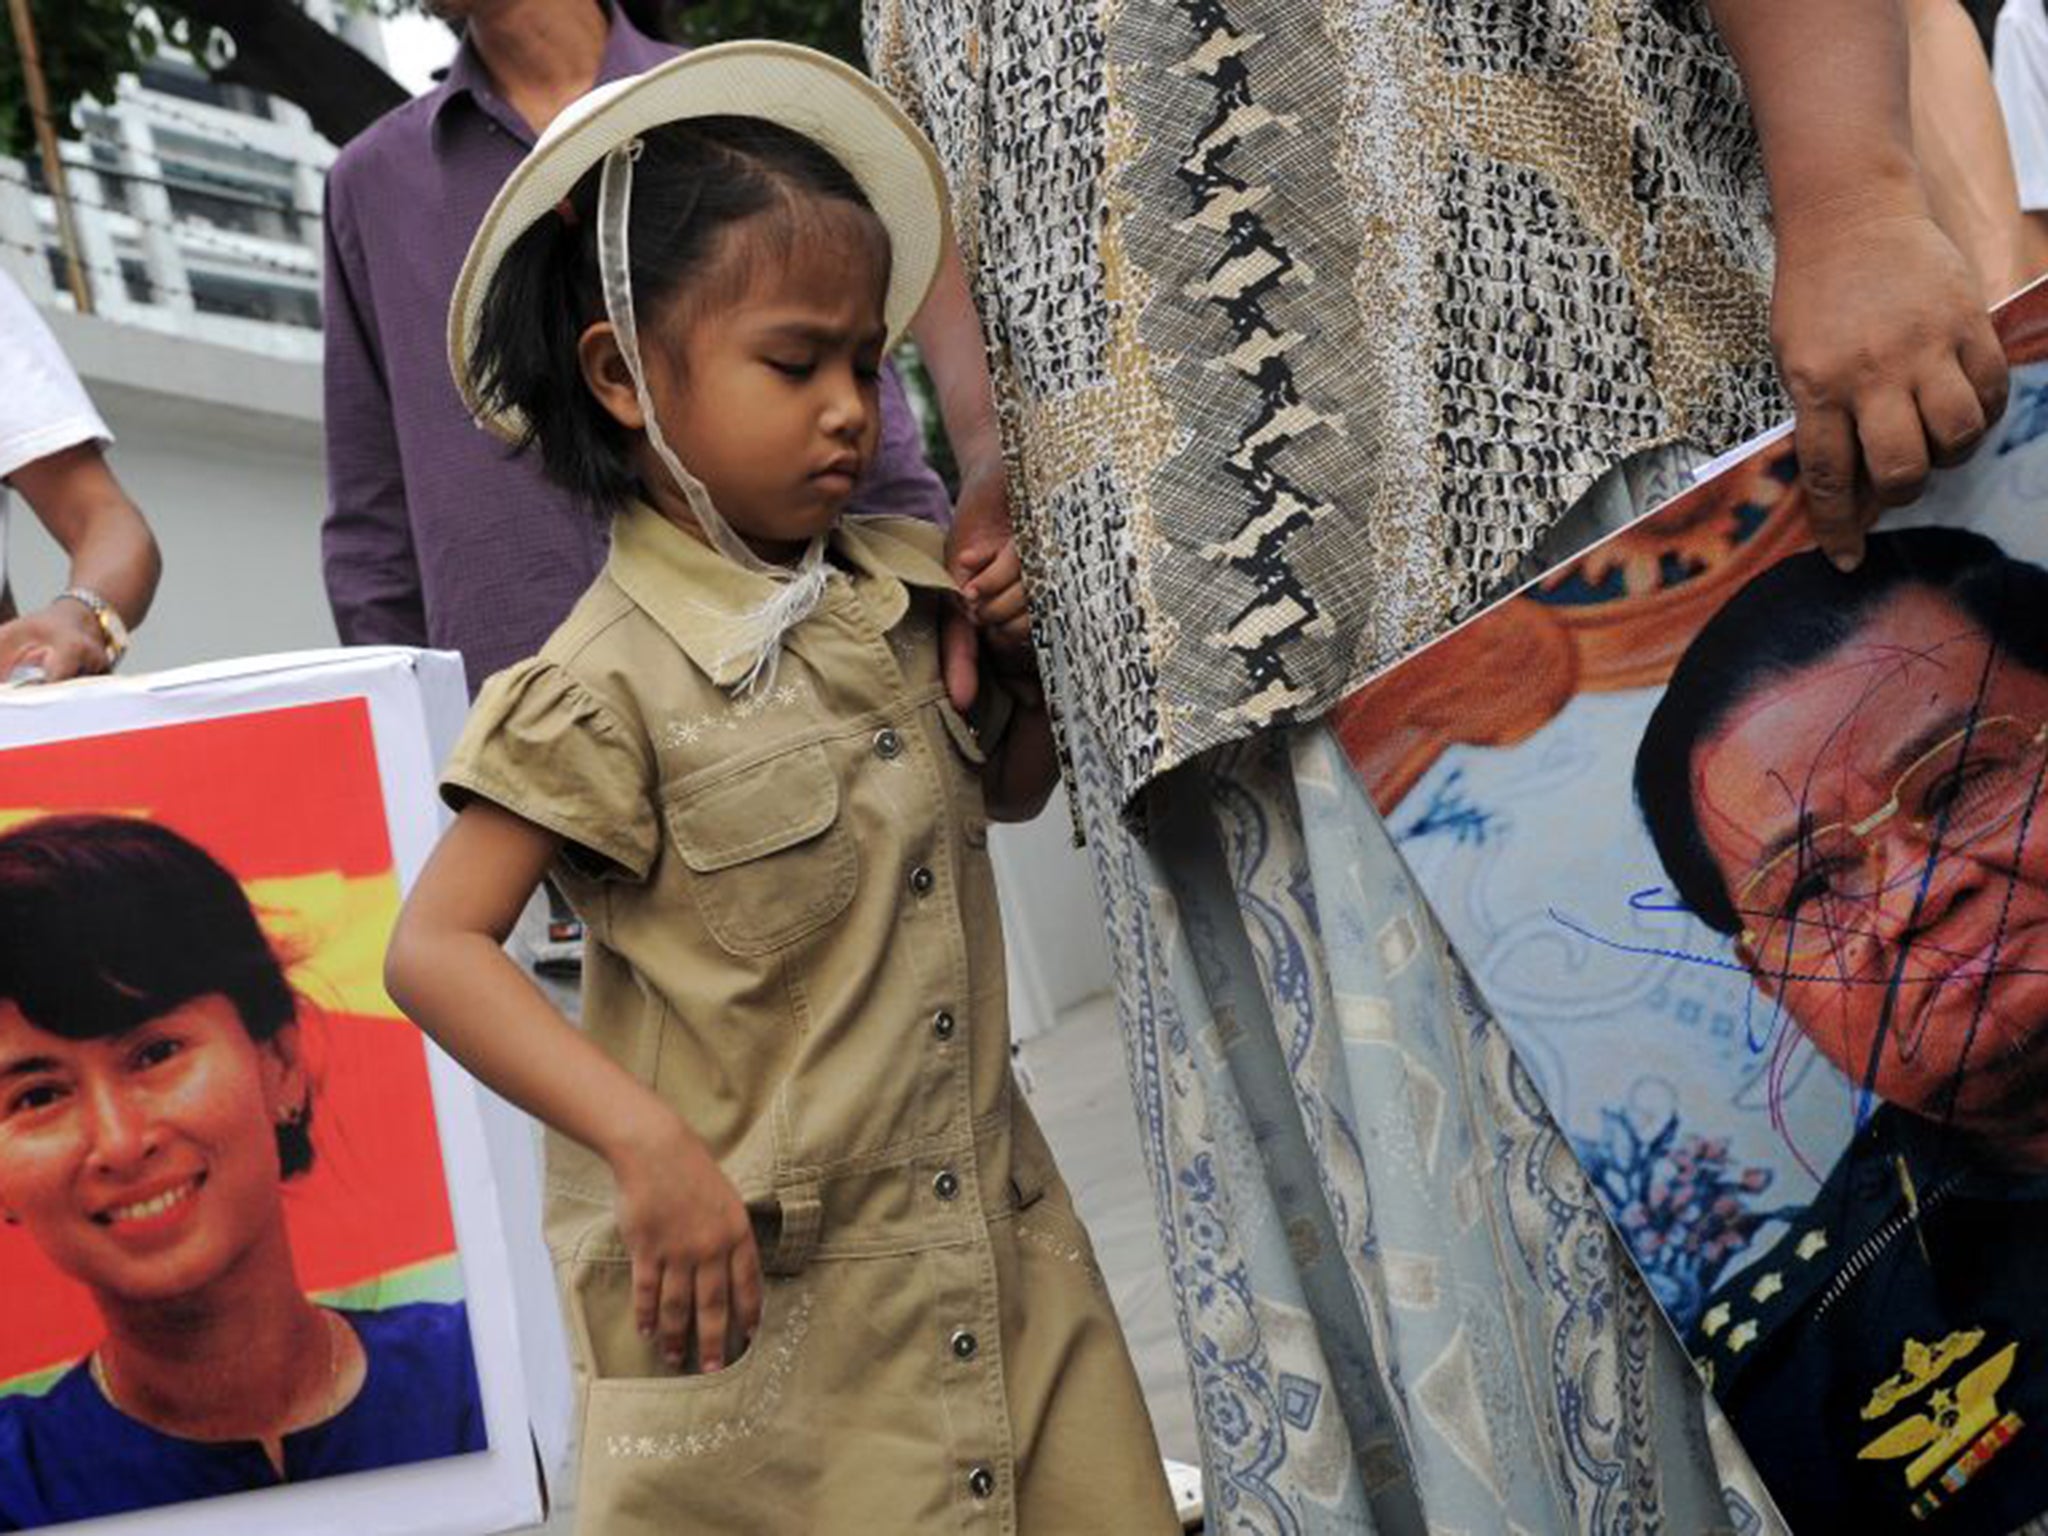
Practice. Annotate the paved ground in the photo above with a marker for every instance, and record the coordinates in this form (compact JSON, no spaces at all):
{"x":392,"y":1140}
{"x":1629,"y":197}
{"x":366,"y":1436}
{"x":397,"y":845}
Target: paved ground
{"x":1074,"y":1077}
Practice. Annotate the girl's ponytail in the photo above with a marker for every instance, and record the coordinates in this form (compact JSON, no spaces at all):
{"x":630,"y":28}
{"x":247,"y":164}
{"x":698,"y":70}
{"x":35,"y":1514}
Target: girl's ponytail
{"x":544,"y":296}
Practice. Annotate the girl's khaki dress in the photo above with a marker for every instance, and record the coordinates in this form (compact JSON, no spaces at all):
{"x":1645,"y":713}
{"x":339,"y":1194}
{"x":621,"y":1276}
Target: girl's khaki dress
{"x":793,"y":939}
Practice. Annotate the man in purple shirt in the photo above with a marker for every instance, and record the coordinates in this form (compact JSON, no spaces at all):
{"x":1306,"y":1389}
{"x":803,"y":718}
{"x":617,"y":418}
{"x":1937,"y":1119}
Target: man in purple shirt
{"x":435,"y":533}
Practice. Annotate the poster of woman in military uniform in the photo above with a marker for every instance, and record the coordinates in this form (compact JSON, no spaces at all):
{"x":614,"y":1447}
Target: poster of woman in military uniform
{"x":1749,"y":855}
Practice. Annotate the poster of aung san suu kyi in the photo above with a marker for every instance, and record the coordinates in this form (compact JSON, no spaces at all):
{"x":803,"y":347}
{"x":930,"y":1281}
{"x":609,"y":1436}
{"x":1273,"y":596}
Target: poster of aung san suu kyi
{"x":1750,"y":856}
{"x":239,"y":1290}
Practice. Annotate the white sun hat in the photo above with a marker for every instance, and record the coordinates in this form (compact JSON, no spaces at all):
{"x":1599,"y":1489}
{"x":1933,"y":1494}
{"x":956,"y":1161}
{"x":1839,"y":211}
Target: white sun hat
{"x":808,"y":93}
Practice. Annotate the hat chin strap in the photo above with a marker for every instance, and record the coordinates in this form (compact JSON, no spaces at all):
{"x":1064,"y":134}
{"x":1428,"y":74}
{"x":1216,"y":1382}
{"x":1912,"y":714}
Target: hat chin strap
{"x":798,"y":588}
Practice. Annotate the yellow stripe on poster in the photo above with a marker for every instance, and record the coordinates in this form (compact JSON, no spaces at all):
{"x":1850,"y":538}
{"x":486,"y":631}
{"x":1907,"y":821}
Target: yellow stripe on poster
{"x":334,"y":931}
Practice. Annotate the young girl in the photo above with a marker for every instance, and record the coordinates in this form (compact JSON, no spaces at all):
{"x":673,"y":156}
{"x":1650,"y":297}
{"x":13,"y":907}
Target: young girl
{"x":819,"y":1269}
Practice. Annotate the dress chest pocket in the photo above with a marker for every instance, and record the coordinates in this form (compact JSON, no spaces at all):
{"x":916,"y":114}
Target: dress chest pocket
{"x":770,"y":857}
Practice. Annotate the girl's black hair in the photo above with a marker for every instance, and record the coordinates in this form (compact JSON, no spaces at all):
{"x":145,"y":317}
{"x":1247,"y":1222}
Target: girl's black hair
{"x":1787,"y":618}
{"x":107,"y":922}
{"x":695,"y":180}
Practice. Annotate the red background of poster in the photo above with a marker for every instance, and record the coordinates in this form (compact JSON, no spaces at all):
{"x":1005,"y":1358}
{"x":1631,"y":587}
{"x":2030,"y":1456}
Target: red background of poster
{"x":279,"y":795}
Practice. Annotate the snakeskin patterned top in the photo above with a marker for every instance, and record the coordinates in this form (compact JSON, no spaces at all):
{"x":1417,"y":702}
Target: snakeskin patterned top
{"x":1307,"y":320}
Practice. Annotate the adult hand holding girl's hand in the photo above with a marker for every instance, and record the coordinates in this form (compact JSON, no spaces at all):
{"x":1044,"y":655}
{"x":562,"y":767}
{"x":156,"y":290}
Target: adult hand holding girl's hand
{"x":981,"y":555}
{"x":1890,"y":359}
{"x":696,"y":1267}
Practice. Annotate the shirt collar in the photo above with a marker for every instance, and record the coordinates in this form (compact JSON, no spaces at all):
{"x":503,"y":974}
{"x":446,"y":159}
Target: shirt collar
{"x":627,"y":51}
{"x":699,"y":598}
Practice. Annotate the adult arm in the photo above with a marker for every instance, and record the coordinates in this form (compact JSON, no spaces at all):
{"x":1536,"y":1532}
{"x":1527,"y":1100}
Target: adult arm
{"x":1879,"y":328}
{"x":696,"y":1272}
{"x":980,"y":546}
{"x":1021,"y":772}
{"x":366,"y":548}
{"x":74,"y":494}
{"x":2019,"y":67}
{"x":1959,"y":135}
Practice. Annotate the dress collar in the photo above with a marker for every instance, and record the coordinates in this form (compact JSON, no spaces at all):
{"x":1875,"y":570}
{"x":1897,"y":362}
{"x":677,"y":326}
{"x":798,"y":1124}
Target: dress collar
{"x":701,"y":599}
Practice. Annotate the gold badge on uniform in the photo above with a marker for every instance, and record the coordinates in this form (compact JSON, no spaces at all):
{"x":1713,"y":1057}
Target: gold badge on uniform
{"x":1958,"y":1430}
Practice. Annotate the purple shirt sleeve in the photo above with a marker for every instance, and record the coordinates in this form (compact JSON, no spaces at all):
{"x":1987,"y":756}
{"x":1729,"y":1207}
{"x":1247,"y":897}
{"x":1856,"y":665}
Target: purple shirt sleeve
{"x":367,"y":557}
{"x":900,"y":481}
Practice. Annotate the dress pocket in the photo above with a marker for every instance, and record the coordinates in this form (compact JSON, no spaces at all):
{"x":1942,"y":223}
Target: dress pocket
{"x":656,"y":1447}
{"x":771,"y":859}
{"x":964,"y":735}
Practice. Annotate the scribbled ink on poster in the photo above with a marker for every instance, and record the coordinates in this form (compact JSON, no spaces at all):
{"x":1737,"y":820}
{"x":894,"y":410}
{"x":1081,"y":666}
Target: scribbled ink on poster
{"x":1751,"y":858}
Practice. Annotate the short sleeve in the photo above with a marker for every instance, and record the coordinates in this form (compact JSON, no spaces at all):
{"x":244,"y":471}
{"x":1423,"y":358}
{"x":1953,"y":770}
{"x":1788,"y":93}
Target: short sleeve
{"x":2020,"y":68}
{"x":544,"y":747}
{"x":43,"y":407}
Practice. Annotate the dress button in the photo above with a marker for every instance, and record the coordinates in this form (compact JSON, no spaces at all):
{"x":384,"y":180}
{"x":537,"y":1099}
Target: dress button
{"x":942,"y":1024}
{"x":981,"y":1482}
{"x":888,"y":744}
{"x":922,"y":880}
{"x":964,"y":1345}
{"x":946,"y":1184}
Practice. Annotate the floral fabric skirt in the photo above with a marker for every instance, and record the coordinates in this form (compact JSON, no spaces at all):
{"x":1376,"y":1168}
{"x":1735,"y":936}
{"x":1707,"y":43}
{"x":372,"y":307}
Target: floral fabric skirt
{"x":1403,"y":1308}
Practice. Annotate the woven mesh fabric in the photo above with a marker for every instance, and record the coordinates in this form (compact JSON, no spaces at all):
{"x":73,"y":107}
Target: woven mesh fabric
{"x":1307,"y":320}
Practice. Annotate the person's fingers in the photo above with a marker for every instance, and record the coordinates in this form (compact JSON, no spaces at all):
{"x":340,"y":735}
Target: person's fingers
{"x":713,"y":1301}
{"x":746,"y":1288}
{"x":646,"y":1295}
{"x":1001,"y":606}
{"x":966,"y":564}
{"x":1014,"y":636}
{"x":1984,"y":365}
{"x":1002,"y":568}
{"x":1953,"y":416}
{"x":74,"y":658}
{"x":1826,"y":444}
{"x":1894,"y":443}
{"x":959,"y":665}
{"x":672,"y":1324}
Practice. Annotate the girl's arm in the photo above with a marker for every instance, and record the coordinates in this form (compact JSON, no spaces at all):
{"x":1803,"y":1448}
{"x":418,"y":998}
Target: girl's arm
{"x":1880,"y":332}
{"x":1020,"y":773}
{"x":695,"y":1267}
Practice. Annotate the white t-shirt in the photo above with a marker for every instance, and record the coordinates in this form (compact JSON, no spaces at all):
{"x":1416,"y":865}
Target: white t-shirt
{"x":2019,"y":63}
{"x":43,"y":407}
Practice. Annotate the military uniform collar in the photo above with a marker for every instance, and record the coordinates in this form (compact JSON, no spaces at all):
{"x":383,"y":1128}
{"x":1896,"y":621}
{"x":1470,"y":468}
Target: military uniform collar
{"x":700,"y":599}
{"x":1897,"y":1167}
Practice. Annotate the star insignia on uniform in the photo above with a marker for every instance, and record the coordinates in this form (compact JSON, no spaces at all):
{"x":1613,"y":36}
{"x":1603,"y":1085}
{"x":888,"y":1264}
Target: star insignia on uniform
{"x":1767,"y":1287}
{"x":1811,"y":1244}
{"x":1740,"y":1336}
{"x":1715,"y":1320}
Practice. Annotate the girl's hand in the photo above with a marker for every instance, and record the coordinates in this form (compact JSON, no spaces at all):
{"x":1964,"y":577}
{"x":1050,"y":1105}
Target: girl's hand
{"x":981,"y":555}
{"x":1890,"y":359}
{"x":696,"y":1268}
{"x":995,"y":601}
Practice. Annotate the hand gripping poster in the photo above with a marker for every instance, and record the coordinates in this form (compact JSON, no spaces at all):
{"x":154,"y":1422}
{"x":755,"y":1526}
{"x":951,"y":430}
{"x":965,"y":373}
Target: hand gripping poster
{"x":253,"y":1268}
{"x":1751,"y":859}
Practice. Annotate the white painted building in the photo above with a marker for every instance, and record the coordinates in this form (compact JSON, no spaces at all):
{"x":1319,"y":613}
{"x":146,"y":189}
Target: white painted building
{"x":197,"y":206}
